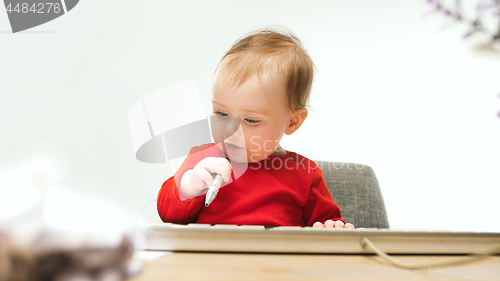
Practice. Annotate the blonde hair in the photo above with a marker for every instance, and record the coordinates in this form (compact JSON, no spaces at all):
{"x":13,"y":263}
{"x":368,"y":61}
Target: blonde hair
{"x":265,"y":51}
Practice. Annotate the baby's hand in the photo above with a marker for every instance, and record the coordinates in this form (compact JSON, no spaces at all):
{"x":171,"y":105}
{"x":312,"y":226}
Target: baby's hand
{"x":333,"y":224}
{"x":201,"y":176}
{"x":194,"y":181}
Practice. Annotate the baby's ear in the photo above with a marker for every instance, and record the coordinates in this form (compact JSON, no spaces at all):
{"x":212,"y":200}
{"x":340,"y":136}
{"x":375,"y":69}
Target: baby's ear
{"x":296,"y":120}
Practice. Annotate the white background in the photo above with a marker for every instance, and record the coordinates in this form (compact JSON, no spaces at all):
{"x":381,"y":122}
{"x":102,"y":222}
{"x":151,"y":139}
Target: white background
{"x":403,"y":94}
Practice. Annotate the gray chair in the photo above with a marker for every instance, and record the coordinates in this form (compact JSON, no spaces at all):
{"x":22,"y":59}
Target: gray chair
{"x":354,"y":188}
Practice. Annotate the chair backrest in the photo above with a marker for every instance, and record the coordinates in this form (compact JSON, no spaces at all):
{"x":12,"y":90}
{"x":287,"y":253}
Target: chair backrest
{"x":354,"y":188}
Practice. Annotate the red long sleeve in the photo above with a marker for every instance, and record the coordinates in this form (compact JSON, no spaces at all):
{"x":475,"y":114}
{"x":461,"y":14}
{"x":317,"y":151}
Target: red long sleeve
{"x":280,"y":190}
{"x":169,"y":204}
{"x":319,"y":207}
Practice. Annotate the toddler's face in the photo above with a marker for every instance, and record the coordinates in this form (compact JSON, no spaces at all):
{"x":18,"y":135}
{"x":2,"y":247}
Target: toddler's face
{"x":260,"y":110}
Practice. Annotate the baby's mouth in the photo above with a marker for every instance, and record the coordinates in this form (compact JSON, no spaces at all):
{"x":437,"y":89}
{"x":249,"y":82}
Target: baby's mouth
{"x":230,"y":145}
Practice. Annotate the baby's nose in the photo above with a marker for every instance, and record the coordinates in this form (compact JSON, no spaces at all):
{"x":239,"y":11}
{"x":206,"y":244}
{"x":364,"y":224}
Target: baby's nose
{"x":232,"y":127}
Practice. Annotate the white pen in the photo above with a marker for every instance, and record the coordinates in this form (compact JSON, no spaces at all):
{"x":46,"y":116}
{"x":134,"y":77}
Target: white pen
{"x":213,"y":190}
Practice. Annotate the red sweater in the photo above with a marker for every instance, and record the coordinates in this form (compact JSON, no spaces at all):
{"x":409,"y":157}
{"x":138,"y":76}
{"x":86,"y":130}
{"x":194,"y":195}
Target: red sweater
{"x":281,"y":190}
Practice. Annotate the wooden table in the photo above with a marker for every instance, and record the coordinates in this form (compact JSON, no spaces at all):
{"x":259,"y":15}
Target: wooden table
{"x":255,"y":266}
{"x":224,"y":252}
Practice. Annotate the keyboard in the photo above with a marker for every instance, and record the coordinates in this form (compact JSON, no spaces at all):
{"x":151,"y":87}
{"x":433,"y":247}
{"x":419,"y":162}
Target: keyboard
{"x":295,"y":239}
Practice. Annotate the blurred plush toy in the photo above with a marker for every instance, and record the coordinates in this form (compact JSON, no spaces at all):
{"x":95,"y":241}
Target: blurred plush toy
{"x":49,"y":232}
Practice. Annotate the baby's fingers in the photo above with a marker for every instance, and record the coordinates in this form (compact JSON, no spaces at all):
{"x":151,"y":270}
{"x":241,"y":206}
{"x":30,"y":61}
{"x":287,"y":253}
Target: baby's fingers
{"x":221,"y":170}
{"x":333,"y":224}
{"x":206,"y":179}
{"x":317,"y":224}
{"x":220,"y":166}
{"x":339,"y":224}
{"x":227,"y":168}
{"x":349,"y":225}
{"x":329,"y":224}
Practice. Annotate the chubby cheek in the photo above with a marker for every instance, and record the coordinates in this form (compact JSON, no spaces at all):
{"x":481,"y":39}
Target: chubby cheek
{"x":260,"y":145}
{"x":254,"y":149}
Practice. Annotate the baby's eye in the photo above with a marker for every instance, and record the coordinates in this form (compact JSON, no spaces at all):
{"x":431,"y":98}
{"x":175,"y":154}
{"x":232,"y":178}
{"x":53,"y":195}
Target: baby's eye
{"x":222,"y":114}
{"x":252,"y":121}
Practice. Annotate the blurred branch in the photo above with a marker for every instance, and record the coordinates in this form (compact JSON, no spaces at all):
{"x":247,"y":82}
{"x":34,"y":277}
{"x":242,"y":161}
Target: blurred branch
{"x":484,"y":9}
